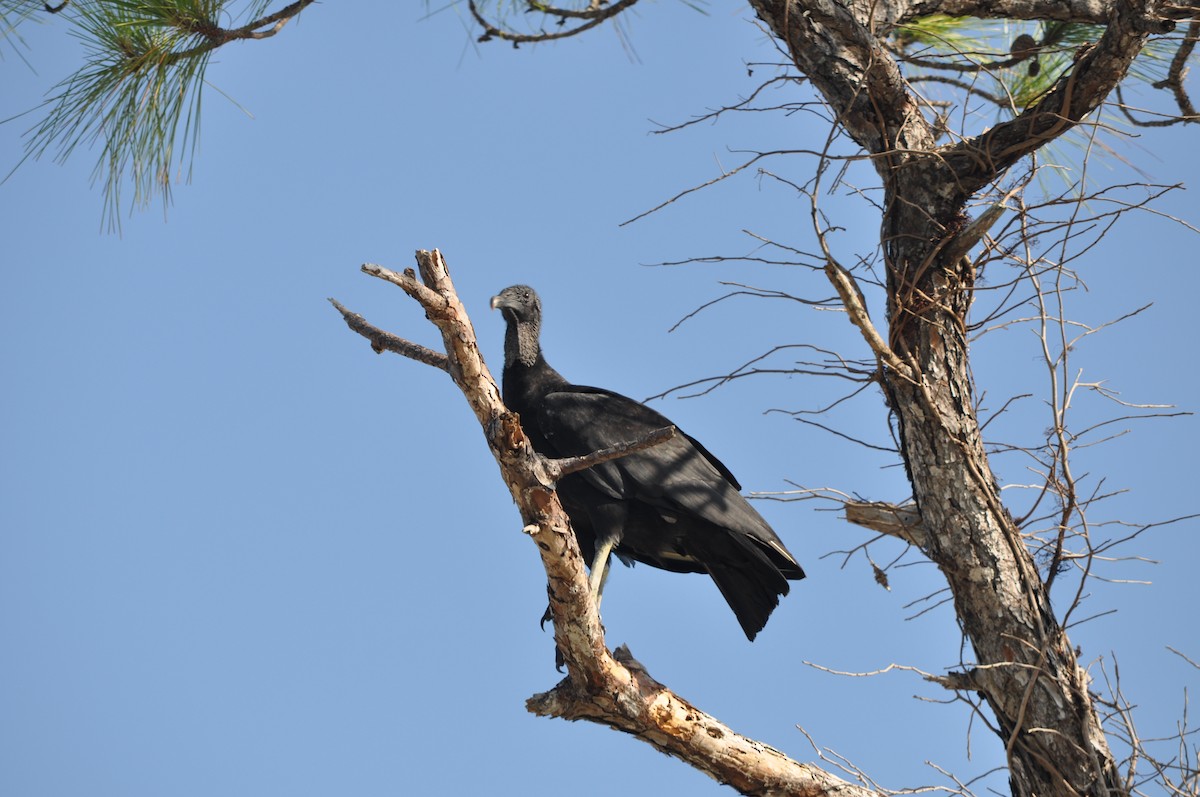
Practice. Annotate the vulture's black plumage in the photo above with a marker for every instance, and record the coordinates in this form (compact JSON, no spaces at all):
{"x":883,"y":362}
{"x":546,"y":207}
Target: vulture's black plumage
{"x":673,"y":506}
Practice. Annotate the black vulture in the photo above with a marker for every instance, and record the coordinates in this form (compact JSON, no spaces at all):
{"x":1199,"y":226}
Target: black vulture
{"x":674,"y":506}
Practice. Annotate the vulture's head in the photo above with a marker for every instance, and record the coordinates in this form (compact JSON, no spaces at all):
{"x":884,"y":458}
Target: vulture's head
{"x":519,"y":304}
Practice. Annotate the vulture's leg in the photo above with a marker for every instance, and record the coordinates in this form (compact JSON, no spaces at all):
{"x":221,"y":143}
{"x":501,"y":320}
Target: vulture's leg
{"x":600,"y":568}
{"x":608,"y":525}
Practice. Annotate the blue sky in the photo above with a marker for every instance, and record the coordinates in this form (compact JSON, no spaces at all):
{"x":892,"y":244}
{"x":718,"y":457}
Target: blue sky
{"x":240,"y":554}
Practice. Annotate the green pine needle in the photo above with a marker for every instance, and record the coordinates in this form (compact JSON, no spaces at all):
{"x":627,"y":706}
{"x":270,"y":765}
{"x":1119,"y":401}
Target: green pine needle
{"x":137,"y":96}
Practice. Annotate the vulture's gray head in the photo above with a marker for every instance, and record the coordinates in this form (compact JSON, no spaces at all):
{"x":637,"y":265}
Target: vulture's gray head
{"x":523,"y":311}
{"x":519,"y":303}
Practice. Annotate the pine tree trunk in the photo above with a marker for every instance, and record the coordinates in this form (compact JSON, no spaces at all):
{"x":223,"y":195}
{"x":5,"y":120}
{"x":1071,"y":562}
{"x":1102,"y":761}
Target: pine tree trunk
{"x":1025,"y":666}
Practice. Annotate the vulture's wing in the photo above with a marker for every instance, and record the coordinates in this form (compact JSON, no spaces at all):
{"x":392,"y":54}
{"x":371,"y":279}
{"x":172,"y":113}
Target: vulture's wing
{"x":678,"y":476}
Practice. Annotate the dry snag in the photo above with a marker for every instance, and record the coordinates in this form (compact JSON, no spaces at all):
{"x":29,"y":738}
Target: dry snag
{"x":612,"y":689}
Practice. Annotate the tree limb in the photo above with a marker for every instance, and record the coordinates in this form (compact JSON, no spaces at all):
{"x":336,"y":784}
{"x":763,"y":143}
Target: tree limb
{"x":636,"y":703}
{"x":565,"y":467}
{"x":856,"y":309}
{"x":213,"y":35}
{"x":1096,"y":12}
{"x":1098,"y":69}
{"x":385,"y":341}
{"x":595,"y":14}
{"x":612,"y":690}
{"x":901,"y":521}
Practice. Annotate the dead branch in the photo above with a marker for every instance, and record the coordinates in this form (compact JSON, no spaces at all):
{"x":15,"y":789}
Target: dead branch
{"x":385,"y":341}
{"x":1184,"y":657}
{"x":954,"y":681}
{"x":595,"y":14}
{"x":852,"y":300}
{"x":565,"y":467}
{"x":613,"y":690}
{"x":902,"y":522}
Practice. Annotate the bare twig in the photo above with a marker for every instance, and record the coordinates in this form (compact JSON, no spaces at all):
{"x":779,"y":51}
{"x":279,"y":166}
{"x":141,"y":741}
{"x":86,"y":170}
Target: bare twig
{"x":558,"y":468}
{"x":594,"y":14}
{"x":1192,"y":662}
{"x":385,"y":341}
